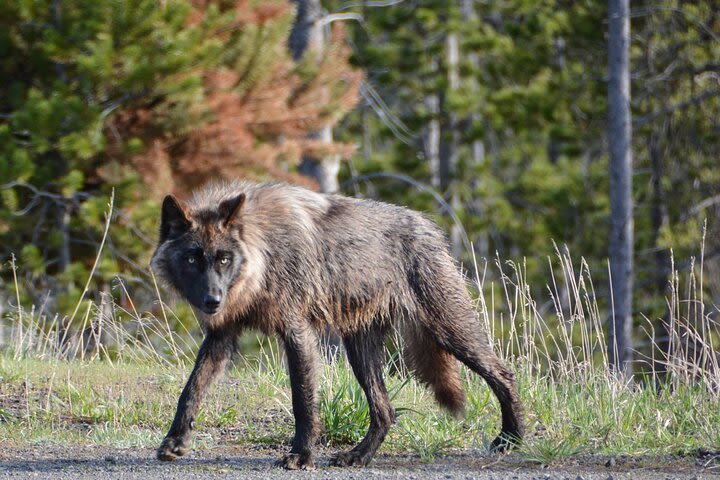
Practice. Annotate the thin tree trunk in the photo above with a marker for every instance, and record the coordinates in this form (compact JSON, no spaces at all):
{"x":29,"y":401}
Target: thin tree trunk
{"x":324,"y":170}
{"x":3,"y":301}
{"x":621,"y":203}
{"x":64,"y":261}
{"x":659,"y":217}
{"x":366,"y":141}
{"x":307,"y":37}
{"x":481,"y":244}
{"x":431,"y":140}
{"x":449,"y":144}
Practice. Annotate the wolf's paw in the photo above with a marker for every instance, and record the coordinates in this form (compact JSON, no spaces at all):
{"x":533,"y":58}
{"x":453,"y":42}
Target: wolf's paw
{"x":350,"y":458}
{"x":171,"y":448}
{"x":504,"y":442}
{"x":297,"y":461}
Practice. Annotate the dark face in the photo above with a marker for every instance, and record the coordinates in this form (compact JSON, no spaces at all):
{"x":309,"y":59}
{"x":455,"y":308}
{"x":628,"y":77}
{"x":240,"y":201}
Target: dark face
{"x":203,"y":273}
{"x":200,"y":255}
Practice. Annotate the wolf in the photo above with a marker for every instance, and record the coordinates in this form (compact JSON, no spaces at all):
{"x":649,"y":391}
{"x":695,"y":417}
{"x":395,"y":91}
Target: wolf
{"x":291,"y":262}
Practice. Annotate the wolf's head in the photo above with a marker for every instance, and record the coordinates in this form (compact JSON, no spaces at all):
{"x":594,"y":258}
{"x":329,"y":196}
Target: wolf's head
{"x":201,"y":253}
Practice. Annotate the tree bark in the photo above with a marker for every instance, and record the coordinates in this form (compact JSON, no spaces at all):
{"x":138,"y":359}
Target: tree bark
{"x":324,"y":170}
{"x":3,"y":301}
{"x":621,"y":203}
{"x":307,"y":35}
{"x":477,"y":207}
{"x":431,"y":139}
{"x":449,"y":143}
{"x":659,"y":217}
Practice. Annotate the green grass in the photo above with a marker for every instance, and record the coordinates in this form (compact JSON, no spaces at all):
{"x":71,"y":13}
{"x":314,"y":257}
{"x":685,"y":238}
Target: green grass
{"x":131,"y":405}
{"x":124,"y":393}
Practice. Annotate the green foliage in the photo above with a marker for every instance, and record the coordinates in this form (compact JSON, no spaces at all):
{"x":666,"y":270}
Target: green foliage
{"x":517,"y":94}
{"x":546,"y":451}
{"x":88,"y":87}
{"x":70,"y":68}
{"x":532,"y":94}
{"x":343,"y":407}
{"x":427,"y":438}
{"x":125,"y":403}
{"x":344,"y":411}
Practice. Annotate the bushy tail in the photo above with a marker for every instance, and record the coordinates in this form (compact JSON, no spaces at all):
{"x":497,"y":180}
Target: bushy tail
{"x":435,"y":368}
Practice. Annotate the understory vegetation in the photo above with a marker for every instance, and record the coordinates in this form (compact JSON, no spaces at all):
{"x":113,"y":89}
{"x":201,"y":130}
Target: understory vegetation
{"x":59,"y":383}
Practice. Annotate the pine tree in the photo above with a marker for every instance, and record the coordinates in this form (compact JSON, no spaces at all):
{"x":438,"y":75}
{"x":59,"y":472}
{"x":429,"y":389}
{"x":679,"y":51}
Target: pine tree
{"x":143,"y":97}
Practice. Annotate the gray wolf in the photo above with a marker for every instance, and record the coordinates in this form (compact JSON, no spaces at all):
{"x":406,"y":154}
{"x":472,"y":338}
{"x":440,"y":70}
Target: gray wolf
{"x":289,"y":262}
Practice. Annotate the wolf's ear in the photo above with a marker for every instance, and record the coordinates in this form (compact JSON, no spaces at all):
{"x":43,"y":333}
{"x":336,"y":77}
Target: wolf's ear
{"x":174,"y":220}
{"x":229,"y":209}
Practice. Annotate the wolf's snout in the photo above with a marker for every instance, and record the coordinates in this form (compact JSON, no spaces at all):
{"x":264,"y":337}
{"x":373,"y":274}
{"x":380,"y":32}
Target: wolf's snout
{"x":212,"y":302}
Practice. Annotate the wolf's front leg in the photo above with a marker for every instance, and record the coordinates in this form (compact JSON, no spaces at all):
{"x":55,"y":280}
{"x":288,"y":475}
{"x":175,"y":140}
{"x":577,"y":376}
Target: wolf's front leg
{"x":302,"y":358}
{"x":209,"y":365}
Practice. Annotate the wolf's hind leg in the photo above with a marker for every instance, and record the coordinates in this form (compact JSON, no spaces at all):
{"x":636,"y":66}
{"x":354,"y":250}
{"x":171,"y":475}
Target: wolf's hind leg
{"x":446,"y":313}
{"x":471,"y":347}
{"x":209,"y":365}
{"x":365,"y":351}
{"x":302,"y":358}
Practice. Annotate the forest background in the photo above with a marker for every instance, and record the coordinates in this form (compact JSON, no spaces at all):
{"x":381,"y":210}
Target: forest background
{"x":495,"y":111}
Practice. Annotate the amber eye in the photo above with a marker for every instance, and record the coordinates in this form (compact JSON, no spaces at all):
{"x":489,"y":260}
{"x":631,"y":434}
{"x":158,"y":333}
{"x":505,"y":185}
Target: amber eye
{"x":224,"y":260}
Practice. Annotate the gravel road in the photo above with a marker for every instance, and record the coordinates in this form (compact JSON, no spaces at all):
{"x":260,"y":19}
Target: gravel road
{"x":101,"y":463}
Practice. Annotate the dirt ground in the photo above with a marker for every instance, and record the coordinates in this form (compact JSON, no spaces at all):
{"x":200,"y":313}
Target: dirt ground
{"x":239,"y":462}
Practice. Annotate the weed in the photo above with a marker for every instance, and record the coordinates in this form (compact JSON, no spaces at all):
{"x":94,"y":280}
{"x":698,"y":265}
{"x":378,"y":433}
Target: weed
{"x":546,"y":451}
{"x":343,"y":407}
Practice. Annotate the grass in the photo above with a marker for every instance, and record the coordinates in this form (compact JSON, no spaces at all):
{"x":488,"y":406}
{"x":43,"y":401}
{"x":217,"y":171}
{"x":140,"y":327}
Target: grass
{"x":131,"y":405}
{"x":122,"y":392}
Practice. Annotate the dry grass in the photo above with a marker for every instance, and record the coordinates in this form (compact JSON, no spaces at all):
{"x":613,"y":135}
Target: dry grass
{"x":114,"y":379}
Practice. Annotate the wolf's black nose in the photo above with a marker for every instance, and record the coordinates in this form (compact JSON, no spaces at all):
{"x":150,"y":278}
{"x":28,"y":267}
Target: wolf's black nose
{"x":212,"y":302}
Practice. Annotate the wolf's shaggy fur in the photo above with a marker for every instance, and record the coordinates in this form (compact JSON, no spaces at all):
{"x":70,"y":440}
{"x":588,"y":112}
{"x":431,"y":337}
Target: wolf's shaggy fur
{"x":288,"y":261}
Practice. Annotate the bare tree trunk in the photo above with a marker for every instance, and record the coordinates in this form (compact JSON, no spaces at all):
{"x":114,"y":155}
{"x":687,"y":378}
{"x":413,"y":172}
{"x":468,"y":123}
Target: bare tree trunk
{"x":659,"y":217}
{"x":3,"y":299}
{"x":449,"y":144}
{"x":431,"y":138}
{"x":64,"y":229}
{"x":308,"y":35}
{"x":366,"y":140}
{"x":324,"y":170}
{"x":481,"y":243}
{"x":621,"y":203}
{"x":63,"y":263}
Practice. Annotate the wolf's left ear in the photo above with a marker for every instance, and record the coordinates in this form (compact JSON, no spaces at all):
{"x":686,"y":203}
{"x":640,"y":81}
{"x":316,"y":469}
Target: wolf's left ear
{"x":174,"y":220}
{"x":229,"y":209}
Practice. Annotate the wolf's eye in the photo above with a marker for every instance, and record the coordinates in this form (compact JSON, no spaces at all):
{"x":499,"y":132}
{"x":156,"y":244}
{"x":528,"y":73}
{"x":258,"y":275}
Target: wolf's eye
{"x":191,"y":260}
{"x":224,"y":260}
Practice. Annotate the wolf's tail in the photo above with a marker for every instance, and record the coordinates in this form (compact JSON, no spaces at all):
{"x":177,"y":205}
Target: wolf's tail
{"x":434,"y":367}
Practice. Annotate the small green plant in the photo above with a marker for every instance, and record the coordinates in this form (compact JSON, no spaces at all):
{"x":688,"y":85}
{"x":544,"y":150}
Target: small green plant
{"x":545,"y":451}
{"x":227,"y":417}
{"x":343,"y":406}
{"x":426,"y":438}
{"x":5,"y":415}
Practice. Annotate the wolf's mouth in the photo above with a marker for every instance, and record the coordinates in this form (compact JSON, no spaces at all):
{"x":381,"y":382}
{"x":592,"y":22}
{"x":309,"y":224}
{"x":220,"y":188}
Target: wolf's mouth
{"x":210,"y":310}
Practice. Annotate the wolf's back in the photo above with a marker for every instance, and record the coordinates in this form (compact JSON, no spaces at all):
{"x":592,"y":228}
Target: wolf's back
{"x":353,"y":263}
